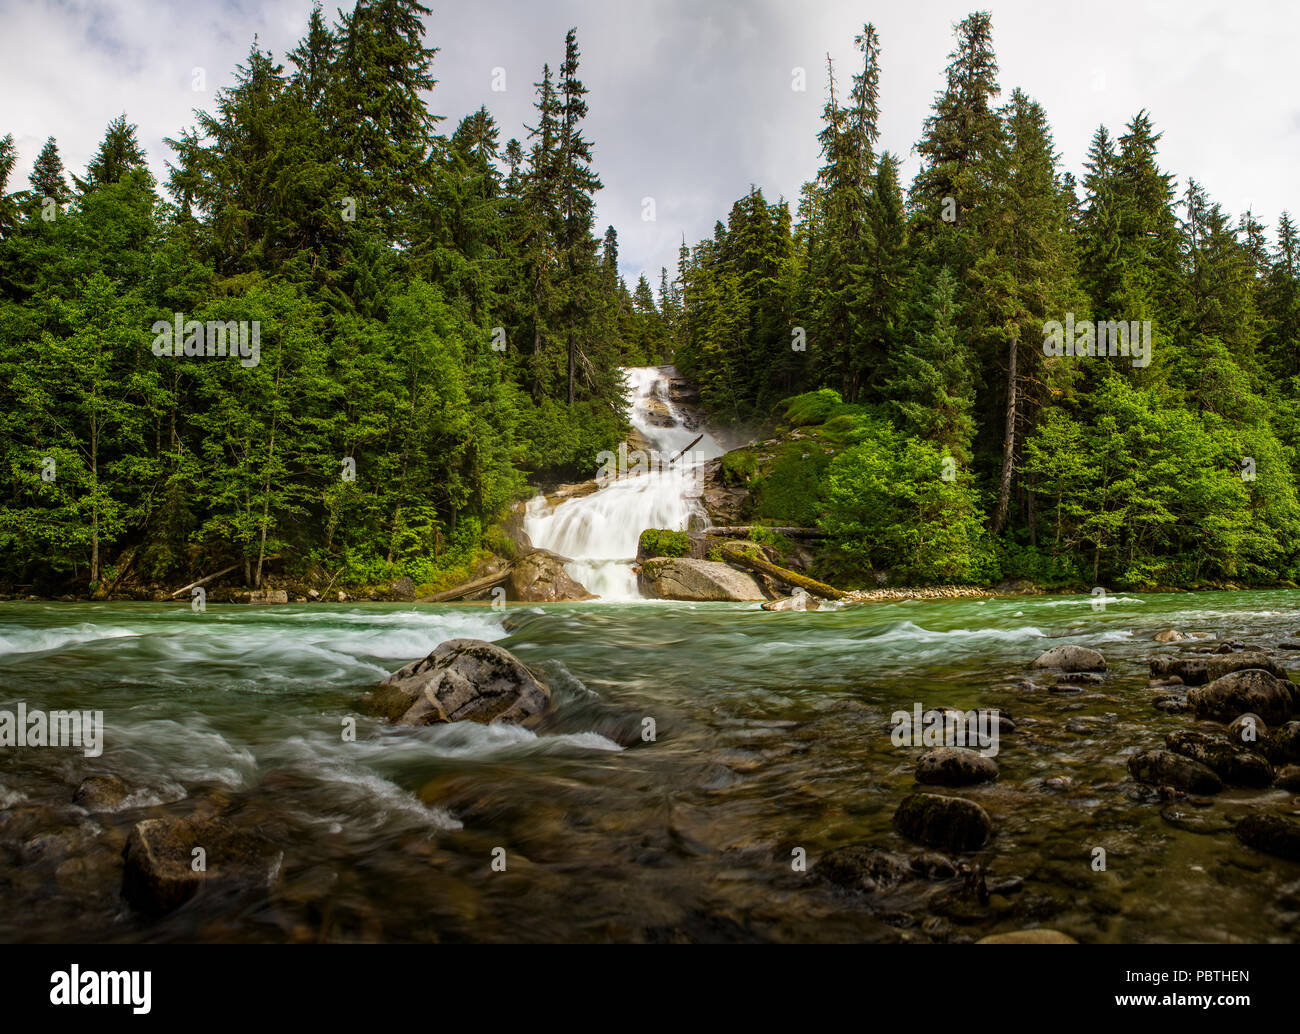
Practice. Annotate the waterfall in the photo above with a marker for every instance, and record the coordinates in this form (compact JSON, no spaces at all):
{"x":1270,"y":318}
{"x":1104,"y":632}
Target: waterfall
{"x":643,"y":486}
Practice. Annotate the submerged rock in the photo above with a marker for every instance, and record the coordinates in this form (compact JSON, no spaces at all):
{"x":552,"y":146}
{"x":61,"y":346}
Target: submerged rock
{"x":462,"y":680}
{"x":1071,"y":658}
{"x":1040,"y":935}
{"x":100,"y":793}
{"x":801,"y":601}
{"x":1198,"y":670}
{"x":955,"y":766}
{"x":540,"y":577}
{"x":160,"y":856}
{"x":1271,"y":834}
{"x":864,"y":868}
{"x":1169,"y":635}
{"x":947,"y":823}
{"x":1235,"y":765}
{"x":1253,"y":690}
{"x":1165,"y":768}
{"x":680,"y":578}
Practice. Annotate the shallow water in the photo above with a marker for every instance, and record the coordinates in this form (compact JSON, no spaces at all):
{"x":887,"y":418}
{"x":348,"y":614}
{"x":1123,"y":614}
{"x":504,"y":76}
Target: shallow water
{"x":771,"y":734}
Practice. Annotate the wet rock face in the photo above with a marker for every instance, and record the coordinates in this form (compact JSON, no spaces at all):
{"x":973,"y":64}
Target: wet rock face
{"x":1236,"y":766}
{"x":1071,"y":658}
{"x":540,"y":577}
{"x":1271,"y":834}
{"x":1254,"y":690}
{"x":946,"y":823}
{"x":160,"y":859}
{"x":1196,"y":670}
{"x":1165,"y":768}
{"x":680,"y":578}
{"x":462,"y":680}
{"x":955,"y":766}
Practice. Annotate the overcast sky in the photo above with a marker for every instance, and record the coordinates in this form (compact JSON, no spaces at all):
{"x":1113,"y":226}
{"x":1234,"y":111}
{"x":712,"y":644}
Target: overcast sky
{"x":691,"y":100}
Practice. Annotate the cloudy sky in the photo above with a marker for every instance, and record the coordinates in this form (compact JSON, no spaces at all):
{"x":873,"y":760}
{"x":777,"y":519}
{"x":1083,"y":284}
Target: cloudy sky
{"x":692,"y":100}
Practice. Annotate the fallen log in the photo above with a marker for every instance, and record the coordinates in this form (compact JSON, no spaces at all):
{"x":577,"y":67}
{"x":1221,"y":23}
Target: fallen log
{"x":745,"y":529}
{"x":686,"y":450}
{"x":468,"y":588}
{"x":747,"y":556}
{"x":204,"y":581}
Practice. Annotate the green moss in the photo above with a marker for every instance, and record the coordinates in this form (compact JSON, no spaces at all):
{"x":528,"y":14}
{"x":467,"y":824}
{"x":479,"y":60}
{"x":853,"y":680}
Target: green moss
{"x":656,"y":542}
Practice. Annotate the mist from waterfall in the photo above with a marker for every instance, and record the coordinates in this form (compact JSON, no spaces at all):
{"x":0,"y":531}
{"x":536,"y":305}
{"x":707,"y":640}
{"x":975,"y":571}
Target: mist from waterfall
{"x":652,"y":488}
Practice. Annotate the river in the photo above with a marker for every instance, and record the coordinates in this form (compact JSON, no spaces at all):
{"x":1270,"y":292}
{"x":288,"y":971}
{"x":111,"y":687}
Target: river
{"x":770,"y":734}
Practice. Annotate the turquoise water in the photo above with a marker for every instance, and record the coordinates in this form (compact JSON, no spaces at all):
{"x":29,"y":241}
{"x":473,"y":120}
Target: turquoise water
{"x":771,"y":734}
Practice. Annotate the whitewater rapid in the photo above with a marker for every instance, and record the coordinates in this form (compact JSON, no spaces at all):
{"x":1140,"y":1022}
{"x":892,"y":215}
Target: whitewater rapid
{"x":656,"y":487}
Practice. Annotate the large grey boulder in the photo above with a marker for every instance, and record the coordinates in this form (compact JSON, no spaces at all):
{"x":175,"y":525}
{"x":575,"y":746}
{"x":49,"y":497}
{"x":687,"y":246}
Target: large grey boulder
{"x":462,"y":680}
{"x":1071,"y":658}
{"x":680,"y":578}
{"x":1198,"y":669}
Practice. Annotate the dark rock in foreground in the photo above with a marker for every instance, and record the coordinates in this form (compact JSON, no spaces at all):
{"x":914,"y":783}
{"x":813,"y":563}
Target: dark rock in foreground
{"x":1236,"y":766}
{"x":159,"y":872}
{"x":1198,"y":670}
{"x":947,"y":823}
{"x":1271,"y":834}
{"x":864,"y":868}
{"x":954,"y":766}
{"x":1165,"y":768}
{"x":1254,"y":690}
{"x":462,"y":680}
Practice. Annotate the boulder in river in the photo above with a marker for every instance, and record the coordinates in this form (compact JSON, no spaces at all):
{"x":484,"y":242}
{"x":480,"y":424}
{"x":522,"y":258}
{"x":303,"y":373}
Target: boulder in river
{"x":1196,"y":670}
{"x":1286,"y":741}
{"x":947,"y":823}
{"x":1248,"y":730}
{"x":1272,"y":834}
{"x":1071,"y":658}
{"x":1169,"y":635}
{"x":680,"y":578}
{"x":100,"y":793}
{"x":161,"y":855}
{"x":462,"y":680}
{"x":540,"y":577}
{"x":1255,"y":690}
{"x":955,"y":766}
{"x":1165,"y":768}
{"x":799,"y":601}
{"x":1289,"y":778}
{"x":1235,"y":765}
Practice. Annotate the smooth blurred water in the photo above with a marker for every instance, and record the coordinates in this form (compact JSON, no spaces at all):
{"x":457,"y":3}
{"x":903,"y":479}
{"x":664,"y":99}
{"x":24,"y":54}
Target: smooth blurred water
{"x":771,"y":732}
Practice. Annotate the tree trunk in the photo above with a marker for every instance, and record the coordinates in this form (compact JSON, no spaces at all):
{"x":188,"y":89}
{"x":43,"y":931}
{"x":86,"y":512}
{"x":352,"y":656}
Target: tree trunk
{"x":1008,"y":443}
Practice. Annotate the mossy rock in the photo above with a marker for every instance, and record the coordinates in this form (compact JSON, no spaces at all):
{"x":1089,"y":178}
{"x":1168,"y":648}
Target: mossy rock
{"x":659,"y":542}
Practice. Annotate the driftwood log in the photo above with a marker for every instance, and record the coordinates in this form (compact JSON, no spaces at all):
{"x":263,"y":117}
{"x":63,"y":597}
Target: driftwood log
{"x":748,"y":556}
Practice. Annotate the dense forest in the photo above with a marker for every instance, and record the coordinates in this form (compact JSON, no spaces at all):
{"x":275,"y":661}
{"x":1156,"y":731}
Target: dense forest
{"x":964,"y":449}
{"x":439,"y":323}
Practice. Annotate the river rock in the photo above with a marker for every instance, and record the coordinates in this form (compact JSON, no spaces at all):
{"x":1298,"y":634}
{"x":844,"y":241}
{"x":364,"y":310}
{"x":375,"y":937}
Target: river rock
{"x":540,"y":577}
{"x":1040,"y":935}
{"x":1253,"y":690}
{"x":946,"y":823}
{"x":1235,"y":765}
{"x":1286,"y":741}
{"x":1165,"y":768}
{"x":954,"y":766}
{"x":263,"y":597}
{"x":1071,"y":658}
{"x":402,"y":589}
{"x":803,"y":601}
{"x":158,"y":872}
{"x":1271,"y":834}
{"x":100,"y":793}
{"x":462,"y":680}
{"x":1198,"y":670}
{"x":863,"y":868}
{"x":1248,"y":730}
{"x":1288,"y":778}
{"x":1169,"y":635}
{"x":680,"y":578}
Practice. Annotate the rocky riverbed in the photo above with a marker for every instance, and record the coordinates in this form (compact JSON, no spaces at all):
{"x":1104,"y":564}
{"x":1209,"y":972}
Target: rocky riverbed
{"x":677,"y":771}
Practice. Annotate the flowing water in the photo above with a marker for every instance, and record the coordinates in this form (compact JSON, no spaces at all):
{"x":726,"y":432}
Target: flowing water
{"x":770,"y":734}
{"x":657,"y":487}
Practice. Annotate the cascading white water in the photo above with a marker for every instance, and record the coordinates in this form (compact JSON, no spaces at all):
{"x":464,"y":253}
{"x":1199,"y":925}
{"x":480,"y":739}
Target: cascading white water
{"x":640,"y":490}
